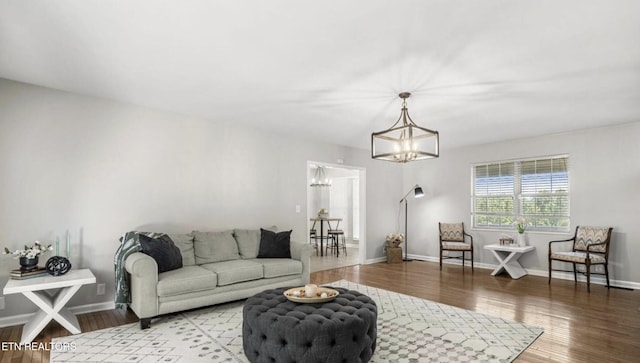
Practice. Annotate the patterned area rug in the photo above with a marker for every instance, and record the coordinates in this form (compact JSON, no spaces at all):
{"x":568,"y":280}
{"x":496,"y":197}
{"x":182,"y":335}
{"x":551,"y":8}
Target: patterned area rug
{"x":410,"y":329}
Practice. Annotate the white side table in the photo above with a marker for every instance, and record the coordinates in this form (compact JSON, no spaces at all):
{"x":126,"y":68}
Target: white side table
{"x":508,"y":258}
{"x":52,"y":306}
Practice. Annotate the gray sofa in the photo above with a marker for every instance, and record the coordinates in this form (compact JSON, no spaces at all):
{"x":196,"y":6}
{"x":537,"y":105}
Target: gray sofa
{"x":217,"y":267}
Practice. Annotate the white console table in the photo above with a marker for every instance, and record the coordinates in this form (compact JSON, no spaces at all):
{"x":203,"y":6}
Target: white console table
{"x":52,"y":305}
{"x":507,"y":257}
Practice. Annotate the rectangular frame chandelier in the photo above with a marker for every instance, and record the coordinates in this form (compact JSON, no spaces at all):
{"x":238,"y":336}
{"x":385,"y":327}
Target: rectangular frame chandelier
{"x":406,"y":141}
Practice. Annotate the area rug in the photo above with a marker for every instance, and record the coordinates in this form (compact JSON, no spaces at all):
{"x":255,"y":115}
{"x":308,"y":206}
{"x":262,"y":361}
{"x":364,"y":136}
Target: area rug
{"x":410,"y":329}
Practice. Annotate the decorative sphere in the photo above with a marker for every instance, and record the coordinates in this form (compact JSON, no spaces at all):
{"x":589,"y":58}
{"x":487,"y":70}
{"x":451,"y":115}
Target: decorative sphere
{"x":58,"y":265}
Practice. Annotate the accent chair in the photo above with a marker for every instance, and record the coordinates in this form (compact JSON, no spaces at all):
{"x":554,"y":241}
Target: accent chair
{"x":453,"y":238}
{"x":590,"y":248}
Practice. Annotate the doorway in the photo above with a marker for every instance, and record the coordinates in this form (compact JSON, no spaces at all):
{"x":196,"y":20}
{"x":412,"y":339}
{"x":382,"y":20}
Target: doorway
{"x":341,"y":194}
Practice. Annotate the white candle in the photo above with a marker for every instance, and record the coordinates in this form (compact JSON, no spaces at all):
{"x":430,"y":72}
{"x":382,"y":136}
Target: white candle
{"x":57,"y":245}
{"x":310,"y":290}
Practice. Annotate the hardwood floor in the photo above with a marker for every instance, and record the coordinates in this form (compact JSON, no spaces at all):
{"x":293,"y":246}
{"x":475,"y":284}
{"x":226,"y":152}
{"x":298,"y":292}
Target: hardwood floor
{"x":603,"y":326}
{"x":88,"y":322}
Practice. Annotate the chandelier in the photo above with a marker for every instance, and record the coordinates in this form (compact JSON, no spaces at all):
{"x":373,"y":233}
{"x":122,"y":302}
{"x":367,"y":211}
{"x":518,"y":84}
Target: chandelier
{"x":405,"y":141}
{"x":320,"y":178}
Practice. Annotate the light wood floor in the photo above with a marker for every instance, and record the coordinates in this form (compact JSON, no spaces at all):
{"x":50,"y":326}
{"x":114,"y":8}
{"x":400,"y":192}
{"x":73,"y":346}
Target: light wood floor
{"x":327,"y":262}
{"x":603,"y":326}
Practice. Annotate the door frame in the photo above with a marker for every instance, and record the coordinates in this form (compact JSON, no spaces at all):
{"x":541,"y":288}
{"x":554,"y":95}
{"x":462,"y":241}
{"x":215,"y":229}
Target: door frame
{"x":362,"y":181}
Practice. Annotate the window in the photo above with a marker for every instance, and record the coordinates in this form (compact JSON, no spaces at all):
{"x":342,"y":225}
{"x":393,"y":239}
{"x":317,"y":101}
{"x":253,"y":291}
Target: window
{"x":536,"y":189}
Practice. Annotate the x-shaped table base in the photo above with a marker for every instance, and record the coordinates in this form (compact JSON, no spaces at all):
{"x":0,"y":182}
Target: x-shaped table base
{"x":507,"y":257}
{"x":52,"y":306}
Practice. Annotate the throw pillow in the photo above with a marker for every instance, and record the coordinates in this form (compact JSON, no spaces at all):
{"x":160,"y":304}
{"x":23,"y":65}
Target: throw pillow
{"x":249,"y":241}
{"x":163,"y":250}
{"x":215,"y":247}
{"x":274,"y":245}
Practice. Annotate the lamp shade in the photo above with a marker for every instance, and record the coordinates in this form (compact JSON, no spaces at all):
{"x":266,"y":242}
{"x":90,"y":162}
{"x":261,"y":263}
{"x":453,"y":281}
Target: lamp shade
{"x":417,"y":193}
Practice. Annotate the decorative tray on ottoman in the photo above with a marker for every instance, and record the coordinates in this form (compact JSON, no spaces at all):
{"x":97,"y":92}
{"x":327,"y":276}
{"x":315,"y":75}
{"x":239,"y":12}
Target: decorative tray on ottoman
{"x":297,"y":294}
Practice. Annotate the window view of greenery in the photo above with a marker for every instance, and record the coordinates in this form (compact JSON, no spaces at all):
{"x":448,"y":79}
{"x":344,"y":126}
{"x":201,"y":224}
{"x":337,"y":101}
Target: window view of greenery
{"x":537,"y":190}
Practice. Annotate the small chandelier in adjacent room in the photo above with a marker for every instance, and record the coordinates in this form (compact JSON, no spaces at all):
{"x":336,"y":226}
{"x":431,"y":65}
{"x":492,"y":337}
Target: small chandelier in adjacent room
{"x":320,"y":178}
{"x":406,"y":141}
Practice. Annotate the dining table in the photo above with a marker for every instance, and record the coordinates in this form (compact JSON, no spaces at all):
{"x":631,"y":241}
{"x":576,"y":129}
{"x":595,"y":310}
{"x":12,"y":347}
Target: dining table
{"x":322,"y":221}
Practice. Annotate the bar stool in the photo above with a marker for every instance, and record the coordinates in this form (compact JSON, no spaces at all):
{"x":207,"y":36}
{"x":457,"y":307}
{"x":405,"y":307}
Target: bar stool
{"x":313,"y":237}
{"x":336,"y":235}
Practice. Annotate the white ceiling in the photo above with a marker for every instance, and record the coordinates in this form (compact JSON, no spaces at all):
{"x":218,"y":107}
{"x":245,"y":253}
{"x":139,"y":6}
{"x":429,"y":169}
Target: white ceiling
{"x":480,"y":71}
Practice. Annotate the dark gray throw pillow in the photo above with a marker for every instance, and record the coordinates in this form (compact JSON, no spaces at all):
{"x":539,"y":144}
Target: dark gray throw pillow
{"x":274,"y":245}
{"x":163,"y":250}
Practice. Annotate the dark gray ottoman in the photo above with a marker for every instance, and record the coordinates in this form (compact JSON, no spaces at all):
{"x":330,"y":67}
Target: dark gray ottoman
{"x":275,"y":329}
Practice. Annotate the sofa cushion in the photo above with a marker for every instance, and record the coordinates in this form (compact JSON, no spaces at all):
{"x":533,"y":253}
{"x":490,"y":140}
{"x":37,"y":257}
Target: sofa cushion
{"x":185,"y":243}
{"x":185,"y":280}
{"x":276,"y":267}
{"x":274,"y":245}
{"x":249,"y":241}
{"x":231,"y":272}
{"x":163,"y":250}
{"x":215,"y":247}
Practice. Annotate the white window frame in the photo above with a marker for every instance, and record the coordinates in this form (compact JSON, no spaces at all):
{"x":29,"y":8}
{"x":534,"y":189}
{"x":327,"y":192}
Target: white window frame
{"x":517,"y":199}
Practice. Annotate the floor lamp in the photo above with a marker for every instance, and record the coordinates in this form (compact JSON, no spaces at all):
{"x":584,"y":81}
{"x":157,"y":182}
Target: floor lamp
{"x":417,"y":193}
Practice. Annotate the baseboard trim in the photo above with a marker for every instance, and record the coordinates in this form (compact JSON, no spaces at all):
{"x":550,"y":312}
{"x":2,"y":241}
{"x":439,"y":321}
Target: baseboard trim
{"x":375,"y":260}
{"x":110,"y":305}
{"x":597,"y":280}
{"x":80,"y":309}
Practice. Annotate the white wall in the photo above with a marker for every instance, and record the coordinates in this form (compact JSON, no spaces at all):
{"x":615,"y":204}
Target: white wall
{"x":99,"y":168}
{"x":383,"y":192}
{"x":605,"y":191}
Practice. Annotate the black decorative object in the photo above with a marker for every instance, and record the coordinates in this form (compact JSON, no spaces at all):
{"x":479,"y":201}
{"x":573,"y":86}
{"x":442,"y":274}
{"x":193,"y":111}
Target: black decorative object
{"x":28,"y":264}
{"x":58,"y":265}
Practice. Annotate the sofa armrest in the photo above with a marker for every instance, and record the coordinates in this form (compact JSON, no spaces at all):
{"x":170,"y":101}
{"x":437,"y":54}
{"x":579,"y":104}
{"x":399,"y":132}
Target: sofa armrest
{"x":144,"y":284}
{"x":302,"y":253}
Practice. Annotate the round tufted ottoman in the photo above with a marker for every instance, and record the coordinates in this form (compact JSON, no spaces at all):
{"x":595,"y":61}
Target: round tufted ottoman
{"x":275,"y":329}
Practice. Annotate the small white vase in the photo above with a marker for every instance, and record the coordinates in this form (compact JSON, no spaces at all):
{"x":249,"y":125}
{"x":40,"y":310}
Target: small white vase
{"x":522,"y":239}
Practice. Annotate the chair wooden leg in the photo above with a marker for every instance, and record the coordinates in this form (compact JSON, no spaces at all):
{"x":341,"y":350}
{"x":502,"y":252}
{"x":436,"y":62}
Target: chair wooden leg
{"x":549,"y":281}
{"x":441,"y":259}
{"x":575,"y":275}
{"x":588,"y":276}
{"x":606,"y":273}
{"x":471,"y":260}
{"x":463,"y":260}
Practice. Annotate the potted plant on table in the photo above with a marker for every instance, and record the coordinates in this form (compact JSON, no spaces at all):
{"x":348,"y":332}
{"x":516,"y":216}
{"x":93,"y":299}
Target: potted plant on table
{"x":521,"y":225}
{"x":29,"y":255}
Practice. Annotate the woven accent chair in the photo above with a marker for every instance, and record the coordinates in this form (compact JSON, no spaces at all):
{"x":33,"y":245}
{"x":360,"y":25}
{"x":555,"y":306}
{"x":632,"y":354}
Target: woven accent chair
{"x":452,"y":238}
{"x":590,"y":247}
